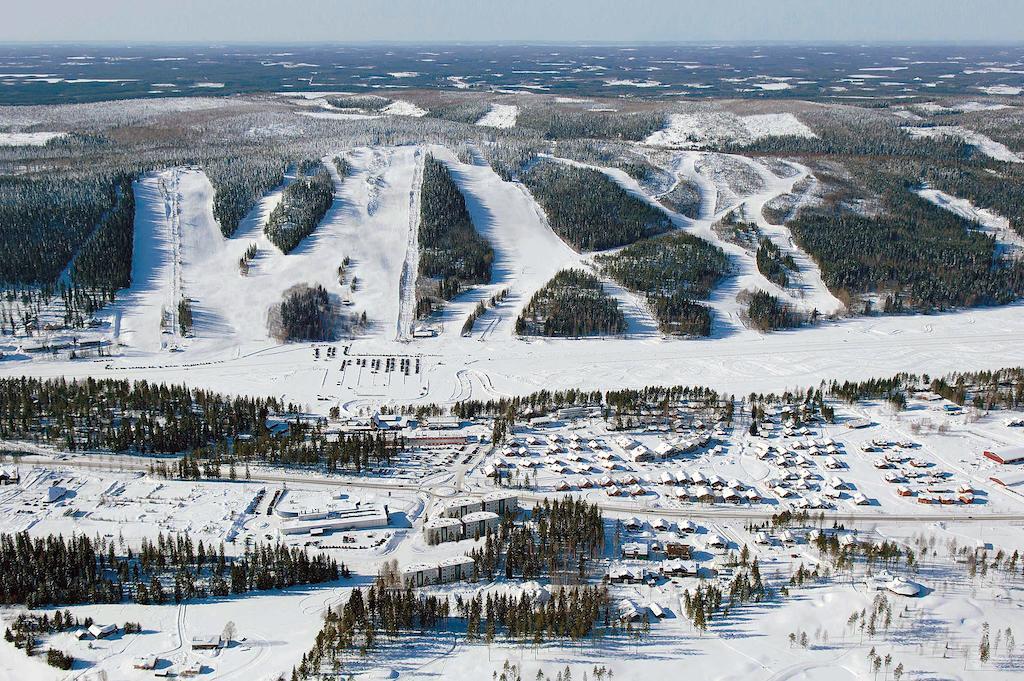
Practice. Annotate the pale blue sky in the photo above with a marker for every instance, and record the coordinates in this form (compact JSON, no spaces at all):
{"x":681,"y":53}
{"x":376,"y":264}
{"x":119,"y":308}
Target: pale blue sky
{"x":513,"y":20}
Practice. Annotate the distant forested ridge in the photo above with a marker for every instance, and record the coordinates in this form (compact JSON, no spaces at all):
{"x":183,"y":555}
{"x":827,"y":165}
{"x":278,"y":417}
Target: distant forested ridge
{"x":453,"y":255}
{"x":573,"y":303}
{"x":673,"y":271}
{"x":590,"y":211}
{"x":557,"y":123}
{"x":303,"y":205}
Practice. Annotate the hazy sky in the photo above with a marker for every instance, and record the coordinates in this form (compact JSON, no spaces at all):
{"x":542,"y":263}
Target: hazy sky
{"x":513,"y":20}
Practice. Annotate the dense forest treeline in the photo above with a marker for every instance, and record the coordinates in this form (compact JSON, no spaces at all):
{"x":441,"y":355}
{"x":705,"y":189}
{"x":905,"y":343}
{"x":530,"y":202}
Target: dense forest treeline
{"x":989,"y":389}
{"x":673,"y":271}
{"x":453,"y":255}
{"x":150,"y":418}
{"x":557,"y":123}
{"x":47,"y":219}
{"x":239,"y":182}
{"x":590,"y":211}
{"x":918,"y":255}
{"x":573,"y":303}
{"x":303,"y":205}
{"x":53,"y":570}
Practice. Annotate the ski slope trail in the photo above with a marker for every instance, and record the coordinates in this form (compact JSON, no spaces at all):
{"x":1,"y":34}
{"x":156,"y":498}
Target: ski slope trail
{"x":1008,"y":242}
{"x":181,"y":252}
{"x":807,"y":289}
{"x":411,"y":265}
{"x":138,"y":311}
{"x":527,"y":253}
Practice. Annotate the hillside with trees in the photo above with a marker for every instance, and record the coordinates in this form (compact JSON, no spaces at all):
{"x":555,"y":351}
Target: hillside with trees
{"x":573,"y":303}
{"x":303,"y":205}
{"x":672,"y":271}
{"x":918,"y":255}
{"x":306,"y":313}
{"x":47,"y":220}
{"x":588,"y":210}
{"x":453,"y":255}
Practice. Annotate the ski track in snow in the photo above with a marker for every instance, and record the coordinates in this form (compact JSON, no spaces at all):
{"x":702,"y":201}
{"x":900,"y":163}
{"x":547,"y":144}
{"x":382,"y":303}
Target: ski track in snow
{"x":527,"y":253}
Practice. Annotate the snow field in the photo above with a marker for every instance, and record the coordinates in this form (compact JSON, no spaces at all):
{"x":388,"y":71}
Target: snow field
{"x":27,"y":139}
{"x":715,"y":128}
{"x":500,"y":116}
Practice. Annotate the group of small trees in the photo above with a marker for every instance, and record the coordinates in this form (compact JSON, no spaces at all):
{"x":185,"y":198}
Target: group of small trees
{"x":480,"y":309}
{"x":588,"y":210}
{"x":453,"y":255}
{"x":303,"y":205}
{"x":776,"y":267}
{"x":672,"y":271}
{"x":573,"y":303}
{"x":306,"y":313}
{"x":766,"y":312}
{"x":557,"y":541}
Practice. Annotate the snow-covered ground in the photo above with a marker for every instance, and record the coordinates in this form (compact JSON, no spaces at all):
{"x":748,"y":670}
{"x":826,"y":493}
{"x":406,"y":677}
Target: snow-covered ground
{"x":500,"y":116}
{"x":715,"y":128}
{"x":27,"y":139}
{"x":402,"y":108}
{"x":984,"y":143}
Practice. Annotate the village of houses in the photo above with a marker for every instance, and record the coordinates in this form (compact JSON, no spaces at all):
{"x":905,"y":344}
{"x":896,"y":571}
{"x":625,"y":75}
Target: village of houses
{"x":682,"y":498}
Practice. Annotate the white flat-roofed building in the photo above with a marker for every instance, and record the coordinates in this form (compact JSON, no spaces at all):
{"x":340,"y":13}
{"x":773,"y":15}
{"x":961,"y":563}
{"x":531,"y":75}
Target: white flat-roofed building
{"x":438,"y":530}
{"x":452,"y":569}
{"x":456,"y":508}
{"x":500,"y":502}
{"x":444,"y":423}
{"x":360,"y":517}
{"x":480,"y":522}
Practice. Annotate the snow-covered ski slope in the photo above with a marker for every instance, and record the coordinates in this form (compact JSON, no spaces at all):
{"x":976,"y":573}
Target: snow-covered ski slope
{"x":180,"y":252}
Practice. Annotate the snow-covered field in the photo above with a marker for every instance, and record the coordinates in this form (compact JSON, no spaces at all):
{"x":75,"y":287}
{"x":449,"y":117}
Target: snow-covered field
{"x":714,"y":128}
{"x":27,"y":139}
{"x":500,"y":116}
